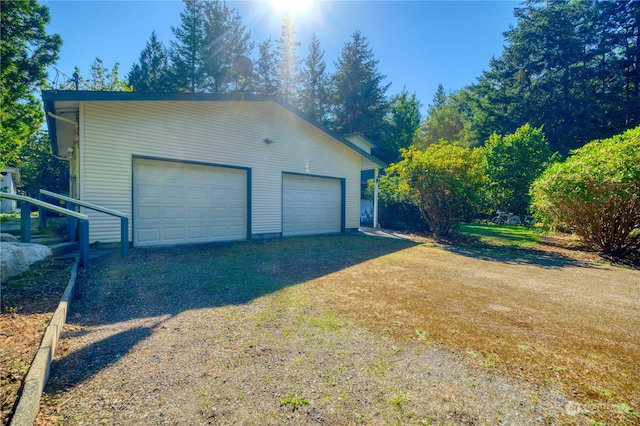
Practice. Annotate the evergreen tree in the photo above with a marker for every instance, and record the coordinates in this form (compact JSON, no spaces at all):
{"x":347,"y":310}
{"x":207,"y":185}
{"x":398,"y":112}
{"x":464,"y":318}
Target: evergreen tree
{"x":313,"y":97}
{"x":359,"y":95}
{"x":188,"y":50}
{"x":571,"y":67}
{"x":448,"y":119}
{"x":439,"y":98}
{"x":25,"y":52}
{"x":150,"y":74}
{"x":226,"y":38}
{"x":265,"y":73}
{"x":401,"y":124}
{"x":288,"y":61}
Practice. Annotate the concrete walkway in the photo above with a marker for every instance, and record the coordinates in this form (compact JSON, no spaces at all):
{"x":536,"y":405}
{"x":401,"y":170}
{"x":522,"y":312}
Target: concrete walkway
{"x":379,"y":232}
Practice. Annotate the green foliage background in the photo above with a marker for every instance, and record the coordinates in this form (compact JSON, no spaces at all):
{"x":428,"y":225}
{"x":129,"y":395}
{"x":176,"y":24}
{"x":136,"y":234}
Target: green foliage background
{"x":444,"y":181}
{"x":596,"y":193}
{"x":512,"y":163}
{"x":25,"y":52}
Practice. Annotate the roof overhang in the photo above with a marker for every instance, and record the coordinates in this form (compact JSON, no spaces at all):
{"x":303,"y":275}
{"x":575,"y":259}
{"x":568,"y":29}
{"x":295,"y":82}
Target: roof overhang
{"x":62,"y":107}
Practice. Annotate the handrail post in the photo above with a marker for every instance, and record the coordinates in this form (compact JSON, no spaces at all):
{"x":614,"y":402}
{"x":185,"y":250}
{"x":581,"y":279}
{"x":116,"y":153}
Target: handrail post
{"x":25,"y":222}
{"x":124,"y":236}
{"x":42,"y":213}
{"x":72,"y":223}
{"x":84,"y":243}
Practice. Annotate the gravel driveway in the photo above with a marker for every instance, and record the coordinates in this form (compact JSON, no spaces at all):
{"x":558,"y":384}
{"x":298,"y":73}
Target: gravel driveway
{"x":246,"y":334}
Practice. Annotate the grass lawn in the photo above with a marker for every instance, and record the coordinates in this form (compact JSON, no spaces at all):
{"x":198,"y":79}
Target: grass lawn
{"x":335,"y":325}
{"x":502,"y":235}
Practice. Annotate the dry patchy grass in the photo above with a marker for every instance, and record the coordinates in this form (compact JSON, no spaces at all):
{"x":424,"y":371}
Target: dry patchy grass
{"x":351,"y":325}
{"x":573,"y":326}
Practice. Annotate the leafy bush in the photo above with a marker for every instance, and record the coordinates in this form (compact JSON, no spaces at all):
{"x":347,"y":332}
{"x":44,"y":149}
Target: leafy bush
{"x":443,"y":181}
{"x":40,"y":169}
{"x":513,"y":162}
{"x":596,"y":193}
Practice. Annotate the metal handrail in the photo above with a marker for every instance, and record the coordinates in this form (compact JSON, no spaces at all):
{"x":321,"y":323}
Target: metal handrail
{"x":45,"y":205}
{"x":83,"y":203}
{"x":25,"y":221}
{"x":124,"y":219}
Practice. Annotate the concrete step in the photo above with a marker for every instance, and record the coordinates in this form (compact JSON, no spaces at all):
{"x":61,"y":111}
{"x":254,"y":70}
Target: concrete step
{"x":46,"y":241}
{"x":13,"y":227}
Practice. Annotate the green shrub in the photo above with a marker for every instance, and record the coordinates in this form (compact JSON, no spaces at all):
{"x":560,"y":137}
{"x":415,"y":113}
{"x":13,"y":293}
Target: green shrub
{"x":512,"y":163}
{"x":596,"y":193}
{"x":444,"y":181}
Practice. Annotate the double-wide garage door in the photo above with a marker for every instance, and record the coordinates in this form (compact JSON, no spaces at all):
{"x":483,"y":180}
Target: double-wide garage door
{"x":311,"y":205}
{"x":181,"y":203}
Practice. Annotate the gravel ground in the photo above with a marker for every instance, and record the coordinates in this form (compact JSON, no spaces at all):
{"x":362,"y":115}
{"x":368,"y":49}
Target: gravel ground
{"x":225,"y":345}
{"x":231,"y":365}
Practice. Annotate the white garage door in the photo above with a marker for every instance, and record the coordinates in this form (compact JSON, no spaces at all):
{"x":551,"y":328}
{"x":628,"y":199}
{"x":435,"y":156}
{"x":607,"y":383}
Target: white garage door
{"x":178,"y":203}
{"x":311,"y":205}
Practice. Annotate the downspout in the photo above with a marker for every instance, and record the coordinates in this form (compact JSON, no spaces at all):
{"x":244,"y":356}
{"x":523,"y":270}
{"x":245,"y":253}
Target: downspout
{"x":58,"y":117}
{"x":375,"y":198}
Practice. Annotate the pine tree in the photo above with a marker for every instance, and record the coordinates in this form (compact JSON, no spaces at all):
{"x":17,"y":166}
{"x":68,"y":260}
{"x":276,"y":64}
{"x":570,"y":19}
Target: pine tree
{"x":401,"y":124}
{"x":447,"y":119}
{"x":313,"y":97}
{"x":360,"y":102}
{"x":150,"y":74}
{"x":265,"y":73}
{"x":288,"y":61}
{"x":188,"y":50}
{"x":569,"y":67}
{"x":439,"y":98}
{"x":226,"y":38}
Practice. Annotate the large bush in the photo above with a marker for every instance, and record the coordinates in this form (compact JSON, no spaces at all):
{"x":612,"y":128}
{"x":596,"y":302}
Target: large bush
{"x":513,"y":162}
{"x":596,"y":193}
{"x":40,"y":169}
{"x":443,"y":181}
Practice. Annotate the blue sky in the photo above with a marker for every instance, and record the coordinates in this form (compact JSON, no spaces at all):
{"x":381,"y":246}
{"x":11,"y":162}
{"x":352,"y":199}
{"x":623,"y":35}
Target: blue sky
{"x":419,"y":44}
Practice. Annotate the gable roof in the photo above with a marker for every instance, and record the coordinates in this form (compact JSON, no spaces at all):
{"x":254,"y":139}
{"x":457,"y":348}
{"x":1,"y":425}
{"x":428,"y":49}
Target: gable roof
{"x":360,"y":140}
{"x":61,"y":110}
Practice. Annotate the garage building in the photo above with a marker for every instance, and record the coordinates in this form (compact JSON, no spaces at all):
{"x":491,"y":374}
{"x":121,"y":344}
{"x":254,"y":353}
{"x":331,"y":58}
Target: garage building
{"x":190,"y":168}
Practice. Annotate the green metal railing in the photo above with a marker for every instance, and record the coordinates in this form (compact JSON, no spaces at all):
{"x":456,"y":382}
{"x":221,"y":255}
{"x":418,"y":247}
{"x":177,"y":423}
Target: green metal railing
{"x":25,"y":221}
{"x":72,"y":203}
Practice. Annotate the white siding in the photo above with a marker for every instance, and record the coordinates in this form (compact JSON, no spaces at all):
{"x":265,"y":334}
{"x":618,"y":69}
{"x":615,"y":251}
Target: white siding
{"x":360,"y":143}
{"x":223,"y":133}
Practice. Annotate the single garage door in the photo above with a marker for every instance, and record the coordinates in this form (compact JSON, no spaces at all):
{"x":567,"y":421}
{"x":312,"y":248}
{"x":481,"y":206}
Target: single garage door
{"x":311,"y":205}
{"x":181,"y":203}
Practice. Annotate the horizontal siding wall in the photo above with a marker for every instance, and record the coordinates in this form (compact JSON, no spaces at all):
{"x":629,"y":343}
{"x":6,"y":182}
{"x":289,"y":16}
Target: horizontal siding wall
{"x":224,"y":133}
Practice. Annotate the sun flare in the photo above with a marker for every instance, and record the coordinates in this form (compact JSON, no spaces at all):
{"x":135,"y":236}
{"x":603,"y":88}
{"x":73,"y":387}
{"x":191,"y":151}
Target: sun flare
{"x":296,"y":7}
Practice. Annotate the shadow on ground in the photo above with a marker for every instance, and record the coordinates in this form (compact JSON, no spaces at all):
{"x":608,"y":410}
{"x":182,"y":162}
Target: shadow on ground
{"x":164,"y":282}
{"x":77,"y":366}
{"x":514,"y":255}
